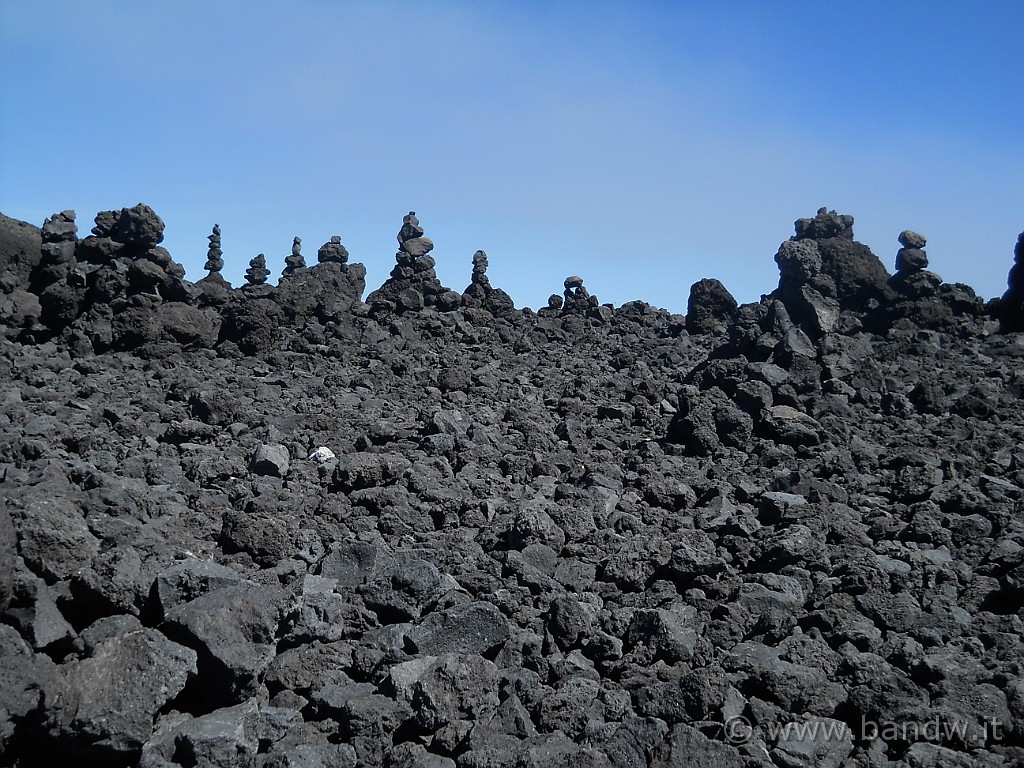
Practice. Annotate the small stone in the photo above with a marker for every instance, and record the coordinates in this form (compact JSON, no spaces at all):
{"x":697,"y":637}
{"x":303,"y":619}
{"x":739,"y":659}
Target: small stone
{"x":321,"y":455}
{"x":573,"y":281}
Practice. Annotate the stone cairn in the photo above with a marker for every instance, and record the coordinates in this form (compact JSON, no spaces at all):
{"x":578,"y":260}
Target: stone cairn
{"x":911,"y":257}
{"x":332,"y":252}
{"x":479,"y":276}
{"x":912,"y":278}
{"x":214,"y":260}
{"x":480,"y":292}
{"x":577,"y":298}
{"x":257,"y":273}
{"x":413,"y":283}
{"x":479,"y":287}
{"x":296,"y":260}
{"x":411,"y":240}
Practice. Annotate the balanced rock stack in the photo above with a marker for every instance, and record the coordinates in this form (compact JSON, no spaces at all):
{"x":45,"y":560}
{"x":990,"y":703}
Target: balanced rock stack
{"x":480,"y":293}
{"x":413,"y":283}
{"x":296,"y":260}
{"x":576,"y":297}
{"x":19,"y":256}
{"x":214,"y":262}
{"x":411,"y":239}
{"x":257,"y":273}
{"x":332,"y":252}
{"x":1010,"y":307}
{"x":216,"y":290}
{"x":912,"y":280}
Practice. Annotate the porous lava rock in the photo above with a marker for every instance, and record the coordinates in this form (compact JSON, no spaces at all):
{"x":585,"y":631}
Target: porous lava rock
{"x":336,"y":533}
{"x":858,"y":274}
{"x":709,"y":306}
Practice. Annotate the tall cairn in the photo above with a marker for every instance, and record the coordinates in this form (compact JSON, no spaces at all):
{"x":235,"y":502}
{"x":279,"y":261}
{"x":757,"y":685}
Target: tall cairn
{"x":214,"y":260}
{"x":296,"y":260}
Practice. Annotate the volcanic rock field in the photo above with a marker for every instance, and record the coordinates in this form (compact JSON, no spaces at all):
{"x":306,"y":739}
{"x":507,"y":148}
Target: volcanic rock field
{"x":303,"y":525}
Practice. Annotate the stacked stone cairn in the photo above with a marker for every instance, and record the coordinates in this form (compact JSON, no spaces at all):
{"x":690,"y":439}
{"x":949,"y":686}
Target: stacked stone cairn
{"x":216,"y":290}
{"x":577,"y":299}
{"x":257,"y":273}
{"x":296,"y":260}
{"x":214,"y":262}
{"x":52,"y":279}
{"x":480,"y":292}
{"x":117,"y":288}
{"x":332,"y":252}
{"x":912,"y":279}
{"x":413,"y":283}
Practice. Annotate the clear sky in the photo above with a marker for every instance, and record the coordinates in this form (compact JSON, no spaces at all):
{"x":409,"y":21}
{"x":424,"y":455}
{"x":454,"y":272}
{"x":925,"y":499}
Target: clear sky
{"x":642,"y":145}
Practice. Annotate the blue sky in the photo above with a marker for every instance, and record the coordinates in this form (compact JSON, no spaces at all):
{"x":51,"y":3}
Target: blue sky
{"x":641,"y":145}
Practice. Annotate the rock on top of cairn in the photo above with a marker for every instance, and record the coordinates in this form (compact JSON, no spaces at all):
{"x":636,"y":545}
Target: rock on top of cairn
{"x":411,"y":239}
{"x":911,"y":257}
{"x":333,"y":251}
{"x":296,"y":260}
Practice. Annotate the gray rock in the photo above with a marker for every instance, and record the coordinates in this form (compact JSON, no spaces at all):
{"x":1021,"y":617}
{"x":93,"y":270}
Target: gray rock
{"x":798,"y":260}
{"x":234,"y":630}
{"x":455,"y":687}
{"x":23,"y":675}
{"x":418,"y":246}
{"x":910,"y":239}
{"x":224,"y":738}
{"x":271,"y":460}
{"x":710,"y":304}
{"x":107,"y":702}
{"x":189,"y":579}
{"x":817,"y":742}
{"x":911,"y":260}
{"x":472,"y":628}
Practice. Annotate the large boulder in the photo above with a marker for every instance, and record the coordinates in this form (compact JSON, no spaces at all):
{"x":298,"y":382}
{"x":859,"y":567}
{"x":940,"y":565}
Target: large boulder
{"x":138,"y":226}
{"x":710,"y":304}
{"x":108,"y":701}
{"x":324,"y":292}
{"x":19,"y":249}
